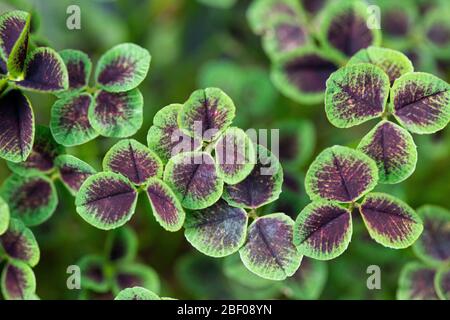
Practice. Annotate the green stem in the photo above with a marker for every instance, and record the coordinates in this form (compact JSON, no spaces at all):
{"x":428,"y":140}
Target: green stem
{"x":55,"y":176}
{"x":253,"y":214}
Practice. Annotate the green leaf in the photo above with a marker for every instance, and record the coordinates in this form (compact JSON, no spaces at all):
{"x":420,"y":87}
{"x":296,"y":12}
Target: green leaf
{"x":269,"y":251}
{"x":42,"y":157}
{"x":4,"y":216}
{"x":166,"y":138}
{"x":19,"y":243}
{"x":442,"y":283}
{"x":261,"y":13}
{"x":420,"y":102}
{"x":166,"y":207}
{"x":355,"y":94}
{"x":218,"y":230}
{"x":392,"y":62}
{"x":393,"y":149}
{"x":297,"y":142}
{"x":106,"y":200}
{"x":341,"y":174}
{"x":437,"y":30}
{"x":285,"y":35}
{"x":345,"y":29}
{"x":193,"y":178}
{"x":44,"y":71}
{"x":323,"y":230}
{"x":73,"y":172}
{"x":132,"y":275}
{"x":122,"y":67}
{"x":18,"y":281}
{"x":235,"y":270}
{"x":133,"y":160}
{"x":250,"y":86}
{"x":17,"y":126}
{"x":121,"y":245}
{"x":308,"y":282}
{"x":32,"y":199}
{"x":433,"y":245}
{"x":117,"y":115}
{"x":235,"y":155}
{"x":92,"y":273}
{"x":390,"y":221}
{"x":79,"y":68}
{"x":18,"y":53}
{"x":202,"y":276}
{"x":301,"y":74}
{"x":416,"y":282}
{"x":69,"y":120}
{"x":136,"y":293}
{"x":206,"y":114}
{"x":261,"y":187}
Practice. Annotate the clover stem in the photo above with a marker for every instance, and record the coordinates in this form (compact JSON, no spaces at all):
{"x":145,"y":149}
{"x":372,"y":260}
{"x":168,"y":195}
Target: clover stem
{"x":91,"y":90}
{"x":252,"y":214}
{"x":351,"y":206}
{"x":54,"y":176}
{"x":141,"y":188}
{"x":385,"y":115}
{"x":3,"y":86}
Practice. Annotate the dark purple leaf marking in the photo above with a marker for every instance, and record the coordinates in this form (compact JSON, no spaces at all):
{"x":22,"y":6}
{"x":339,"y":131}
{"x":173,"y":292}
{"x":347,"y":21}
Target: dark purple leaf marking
{"x":69,"y":121}
{"x":42,"y":156}
{"x":395,"y":23}
{"x":313,"y":6}
{"x":309,"y":72}
{"x":106,"y":200}
{"x":44,"y":71}
{"x":417,"y":283}
{"x":3,"y":69}
{"x":78,"y":67}
{"x":32,"y":198}
{"x":117,"y":114}
{"x":77,"y":114}
{"x":341,"y":174}
{"x":269,"y":251}
{"x":19,"y":243}
{"x":123,"y":67}
{"x":393,"y":149}
{"x":119,"y":70}
{"x":434,"y":244}
{"x":93,"y":273}
{"x":73,"y":172}
{"x":348,"y":32}
{"x":390,"y":221}
{"x":133,"y":160}
{"x":439,"y":34}
{"x":18,"y":281}
{"x":136,"y":275}
{"x":165,"y":205}
{"x":193,"y":178}
{"x":165,"y":136}
{"x":206,"y":113}
{"x":263,"y":185}
{"x":122,"y":245}
{"x":355,"y":94}
{"x":421,"y":102}
{"x":323,"y":230}
{"x":287,"y":36}
{"x":218,"y":230}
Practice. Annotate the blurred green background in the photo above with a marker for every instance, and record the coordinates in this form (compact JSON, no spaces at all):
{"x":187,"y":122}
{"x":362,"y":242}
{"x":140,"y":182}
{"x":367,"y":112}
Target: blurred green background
{"x":196,"y":45}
